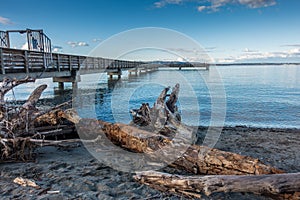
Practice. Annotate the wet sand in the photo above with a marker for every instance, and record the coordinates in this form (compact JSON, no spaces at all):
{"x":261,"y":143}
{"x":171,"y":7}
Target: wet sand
{"x":74,"y":174}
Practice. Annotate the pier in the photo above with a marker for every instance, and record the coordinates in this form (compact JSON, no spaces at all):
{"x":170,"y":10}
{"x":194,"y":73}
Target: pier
{"x":40,"y":62}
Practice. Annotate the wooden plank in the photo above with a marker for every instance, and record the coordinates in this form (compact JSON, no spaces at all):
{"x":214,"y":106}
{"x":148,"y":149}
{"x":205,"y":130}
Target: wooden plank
{"x":2,"y":62}
{"x":78,"y":62}
{"x":70,"y":62}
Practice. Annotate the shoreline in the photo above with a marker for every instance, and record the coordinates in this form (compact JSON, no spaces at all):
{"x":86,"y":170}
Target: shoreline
{"x":252,"y":128}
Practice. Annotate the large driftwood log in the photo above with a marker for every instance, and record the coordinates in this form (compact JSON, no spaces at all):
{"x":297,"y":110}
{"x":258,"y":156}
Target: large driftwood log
{"x":282,"y":186}
{"x":204,"y":160}
{"x":163,"y":132}
{"x":195,"y":159}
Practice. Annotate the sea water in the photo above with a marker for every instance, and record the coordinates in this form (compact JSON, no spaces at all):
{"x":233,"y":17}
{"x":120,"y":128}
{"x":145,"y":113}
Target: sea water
{"x":257,"y":96}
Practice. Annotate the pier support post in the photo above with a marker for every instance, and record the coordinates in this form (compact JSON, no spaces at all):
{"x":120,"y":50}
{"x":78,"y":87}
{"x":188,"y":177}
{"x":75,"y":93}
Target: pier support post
{"x":74,"y":79}
{"x":75,"y":85}
{"x":117,"y":73}
{"x":61,"y":85}
{"x":134,"y":71}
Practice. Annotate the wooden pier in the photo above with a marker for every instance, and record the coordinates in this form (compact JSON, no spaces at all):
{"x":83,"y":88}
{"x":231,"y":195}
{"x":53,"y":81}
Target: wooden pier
{"x":39,"y":61}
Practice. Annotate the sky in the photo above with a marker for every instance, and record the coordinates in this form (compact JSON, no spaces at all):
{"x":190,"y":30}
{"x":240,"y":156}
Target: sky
{"x":227,"y":30}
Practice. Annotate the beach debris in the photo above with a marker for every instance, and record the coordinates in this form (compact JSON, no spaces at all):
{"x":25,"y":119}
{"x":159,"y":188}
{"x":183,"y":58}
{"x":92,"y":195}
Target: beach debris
{"x":26,"y":182}
{"x":20,"y":123}
{"x":279,"y":186}
{"x":53,"y":192}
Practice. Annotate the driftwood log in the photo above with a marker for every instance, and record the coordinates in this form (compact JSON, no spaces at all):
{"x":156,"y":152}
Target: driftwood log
{"x":163,"y":118}
{"x":279,"y":186}
{"x":158,"y":133}
{"x":193,"y":160}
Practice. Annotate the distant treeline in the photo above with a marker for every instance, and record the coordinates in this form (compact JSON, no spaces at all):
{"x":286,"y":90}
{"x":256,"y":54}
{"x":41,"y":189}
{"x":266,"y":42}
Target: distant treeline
{"x":229,"y":64}
{"x":176,"y":63}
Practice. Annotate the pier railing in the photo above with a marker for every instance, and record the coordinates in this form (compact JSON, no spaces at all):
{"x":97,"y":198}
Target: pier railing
{"x":24,"y":61}
{"x":19,"y":63}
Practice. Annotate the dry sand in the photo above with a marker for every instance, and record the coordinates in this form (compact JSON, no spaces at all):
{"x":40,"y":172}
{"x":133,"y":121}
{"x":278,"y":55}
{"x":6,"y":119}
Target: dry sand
{"x":74,"y":174}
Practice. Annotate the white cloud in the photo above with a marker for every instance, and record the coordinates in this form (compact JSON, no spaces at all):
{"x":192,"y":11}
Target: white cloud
{"x":201,"y":8}
{"x":162,"y":3}
{"x":56,"y":49}
{"x":258,"y":3}
{"x":78,"y":44}
{"x":97,"y":40}
{"x":72,"y":44}
{"x":294,"y":51}
{"x":179,"y":59}
{"x":159,"y":4}
{"x":215,"y":5}
{"x":249,"y":50}
{"x":5,"y":21}
{"x":225,"y":60}
{"x":262,"y":56}
{"x":82,"y":44}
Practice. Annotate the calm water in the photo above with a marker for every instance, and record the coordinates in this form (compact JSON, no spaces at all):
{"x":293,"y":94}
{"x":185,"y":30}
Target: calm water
{"x":260,"y":96}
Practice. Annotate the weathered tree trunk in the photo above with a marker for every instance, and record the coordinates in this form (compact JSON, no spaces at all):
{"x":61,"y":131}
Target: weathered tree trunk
{"x":34,"y":97}
{"x":196,"y":159}
{"x":163,"y":117}
{"x":282,"y":186}
{"x":21,"y":120}
{"x":5,"y":86}
{"x":170,"y":137}
{"x":204,"y":160}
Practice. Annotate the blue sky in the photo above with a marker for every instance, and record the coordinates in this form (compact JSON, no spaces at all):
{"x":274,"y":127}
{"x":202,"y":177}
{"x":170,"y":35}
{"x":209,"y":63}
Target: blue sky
{"x":229,"y":30}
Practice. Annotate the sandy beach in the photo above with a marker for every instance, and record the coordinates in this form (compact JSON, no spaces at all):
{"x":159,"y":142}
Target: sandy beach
{"x":72,"y":173}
